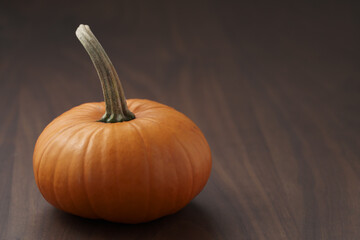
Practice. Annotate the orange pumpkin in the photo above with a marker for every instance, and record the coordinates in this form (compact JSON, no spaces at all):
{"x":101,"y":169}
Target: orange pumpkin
{"x":142,"y":160}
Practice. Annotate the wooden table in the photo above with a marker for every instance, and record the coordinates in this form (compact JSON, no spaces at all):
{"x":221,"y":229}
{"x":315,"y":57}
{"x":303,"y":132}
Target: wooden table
{"x":273,"y":86}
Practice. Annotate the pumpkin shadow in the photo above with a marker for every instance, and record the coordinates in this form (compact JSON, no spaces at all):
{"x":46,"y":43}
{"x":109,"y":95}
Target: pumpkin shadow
{"x":192,"y":222}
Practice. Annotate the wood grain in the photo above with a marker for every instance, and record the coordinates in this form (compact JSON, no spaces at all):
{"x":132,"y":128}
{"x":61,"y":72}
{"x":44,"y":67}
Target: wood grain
{"x":273,"y":86}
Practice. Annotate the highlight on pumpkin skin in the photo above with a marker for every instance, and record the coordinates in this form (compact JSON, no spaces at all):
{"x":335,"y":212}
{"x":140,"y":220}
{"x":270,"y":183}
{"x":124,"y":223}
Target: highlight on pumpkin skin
{"x":131,"y":172}
{"x":116,"y":107}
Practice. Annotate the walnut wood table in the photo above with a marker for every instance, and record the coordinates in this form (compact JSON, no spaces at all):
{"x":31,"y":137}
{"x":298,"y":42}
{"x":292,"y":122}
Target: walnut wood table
{"x":275,"y":87}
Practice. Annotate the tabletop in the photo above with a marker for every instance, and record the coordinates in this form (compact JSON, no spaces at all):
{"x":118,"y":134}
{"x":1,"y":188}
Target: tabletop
{"x":274,"y":87}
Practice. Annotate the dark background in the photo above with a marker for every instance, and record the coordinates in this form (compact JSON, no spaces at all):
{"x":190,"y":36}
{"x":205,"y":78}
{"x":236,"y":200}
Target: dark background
{"x":274,"y":86}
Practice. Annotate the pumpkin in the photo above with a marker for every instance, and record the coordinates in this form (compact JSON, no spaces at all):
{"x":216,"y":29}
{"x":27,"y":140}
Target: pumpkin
{"x":127,"y":161}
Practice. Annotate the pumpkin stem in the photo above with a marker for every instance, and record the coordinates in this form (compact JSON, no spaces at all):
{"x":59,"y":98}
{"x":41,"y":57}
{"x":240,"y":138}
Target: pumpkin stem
{"x":116,"y":108}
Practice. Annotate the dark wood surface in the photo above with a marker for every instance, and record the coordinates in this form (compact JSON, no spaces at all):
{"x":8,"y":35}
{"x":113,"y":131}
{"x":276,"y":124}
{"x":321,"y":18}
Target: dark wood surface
{"x":275,"y":87}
